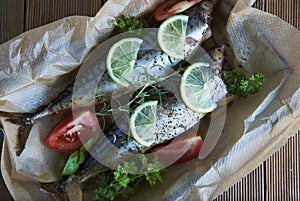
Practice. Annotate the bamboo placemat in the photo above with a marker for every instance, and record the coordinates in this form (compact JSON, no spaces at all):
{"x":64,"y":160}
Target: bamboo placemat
{"x":278,"y":178}
{"x":40,"y":12}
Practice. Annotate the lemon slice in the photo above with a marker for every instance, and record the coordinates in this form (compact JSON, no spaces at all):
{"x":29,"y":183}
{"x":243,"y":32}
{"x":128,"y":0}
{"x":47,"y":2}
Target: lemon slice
{"x":171,"y":35}
{"x":121,"y":58}
{"x":194,"y":88}
{"x":143,"y":123}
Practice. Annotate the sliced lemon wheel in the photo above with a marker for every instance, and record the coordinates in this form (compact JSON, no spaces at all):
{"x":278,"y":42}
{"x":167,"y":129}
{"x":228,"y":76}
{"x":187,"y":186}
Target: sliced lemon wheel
{"x":194,"y":88}
{"x":121,"y":59}
{"x":171,"y":36}
{"x":143,"y":123}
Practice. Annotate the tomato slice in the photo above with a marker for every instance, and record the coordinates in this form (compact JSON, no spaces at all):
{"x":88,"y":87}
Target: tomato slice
{"x":181,"y":150}
{"x":74,"y":130}
{"x":172,"y":7}
{"x":162,"y":11}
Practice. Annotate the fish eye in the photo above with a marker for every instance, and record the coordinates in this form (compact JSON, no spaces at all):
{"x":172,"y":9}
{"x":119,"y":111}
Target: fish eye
{"x":206,"y":6}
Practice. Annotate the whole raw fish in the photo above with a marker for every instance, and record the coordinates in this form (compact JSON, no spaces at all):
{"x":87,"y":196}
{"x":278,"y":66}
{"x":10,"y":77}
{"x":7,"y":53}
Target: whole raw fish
{"x":198,"y":30}
{"x":173,"y":119}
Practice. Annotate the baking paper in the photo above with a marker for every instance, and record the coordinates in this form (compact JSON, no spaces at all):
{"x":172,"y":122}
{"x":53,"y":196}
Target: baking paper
{"x":43,"y":61}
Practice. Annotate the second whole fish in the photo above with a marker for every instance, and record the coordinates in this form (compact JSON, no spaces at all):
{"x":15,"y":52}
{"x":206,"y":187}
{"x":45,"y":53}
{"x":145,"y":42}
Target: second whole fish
{"x":198,"y":30}
{"x":173,"y":119}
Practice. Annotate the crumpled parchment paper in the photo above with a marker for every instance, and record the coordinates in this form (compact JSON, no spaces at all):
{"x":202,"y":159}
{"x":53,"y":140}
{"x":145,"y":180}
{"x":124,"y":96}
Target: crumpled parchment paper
{"x":43,"y":61}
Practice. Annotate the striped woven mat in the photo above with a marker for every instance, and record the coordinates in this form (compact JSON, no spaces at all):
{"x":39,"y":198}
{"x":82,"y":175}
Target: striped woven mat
{"x":278,"y":178}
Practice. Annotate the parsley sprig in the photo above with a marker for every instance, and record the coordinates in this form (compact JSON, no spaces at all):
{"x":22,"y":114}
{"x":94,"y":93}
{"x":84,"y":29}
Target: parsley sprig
{"x":130,"y":23}
{"x":241,"y":86}
{"x":120,"y":184}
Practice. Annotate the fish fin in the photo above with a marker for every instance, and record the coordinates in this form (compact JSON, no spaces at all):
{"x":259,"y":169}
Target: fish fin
{"x":51,"y":189}
{"x":60,"y":186}
{"x":25,"y":125}
{"x":23,"y":133}
{"x":18,"y":118}
{"x":14,"y":116}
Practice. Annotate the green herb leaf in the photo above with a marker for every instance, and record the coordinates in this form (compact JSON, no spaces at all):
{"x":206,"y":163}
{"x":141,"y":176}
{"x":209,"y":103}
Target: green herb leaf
{"x":238,"y":84}
{"x":120,"y":183}
{"x":153,"y":178}
{"x":74,"y":161}
{"x":130,"y":23}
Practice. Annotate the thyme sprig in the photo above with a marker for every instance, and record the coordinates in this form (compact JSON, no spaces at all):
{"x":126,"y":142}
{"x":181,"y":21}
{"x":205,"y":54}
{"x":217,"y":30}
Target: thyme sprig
{"x":140,"y":97}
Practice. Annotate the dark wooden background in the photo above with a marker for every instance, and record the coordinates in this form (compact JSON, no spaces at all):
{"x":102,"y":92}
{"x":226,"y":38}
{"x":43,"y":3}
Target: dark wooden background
{"x":17,"y":16}
{"x":278,"y":178}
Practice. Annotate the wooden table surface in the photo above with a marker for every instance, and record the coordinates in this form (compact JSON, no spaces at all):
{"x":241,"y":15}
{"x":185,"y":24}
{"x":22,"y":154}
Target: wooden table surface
{"x":277,"y":178}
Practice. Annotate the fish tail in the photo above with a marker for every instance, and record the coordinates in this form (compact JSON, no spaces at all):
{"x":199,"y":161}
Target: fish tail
{"x":218,"y":58}
{"x":17,"y":118}
{"x":55,"y":190}
{"x":25,"y":125}
{"x":22,"y":137}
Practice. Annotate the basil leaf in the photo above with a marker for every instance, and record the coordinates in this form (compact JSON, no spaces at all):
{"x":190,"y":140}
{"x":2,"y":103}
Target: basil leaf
{"x":74,"y":161}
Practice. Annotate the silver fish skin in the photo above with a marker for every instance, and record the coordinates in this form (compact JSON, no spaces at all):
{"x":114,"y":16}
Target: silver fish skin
{"x":218,"y":58}
{"x":199,"y":26}
{"x":198,"y":31}
{"x":173,"y":119}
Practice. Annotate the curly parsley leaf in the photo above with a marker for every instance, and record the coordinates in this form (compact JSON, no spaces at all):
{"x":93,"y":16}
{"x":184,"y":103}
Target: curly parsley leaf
{"x":120,"y":183}
{"x":238,"y":84}
{"x":153,"y":176}
{"x":130,"y":23}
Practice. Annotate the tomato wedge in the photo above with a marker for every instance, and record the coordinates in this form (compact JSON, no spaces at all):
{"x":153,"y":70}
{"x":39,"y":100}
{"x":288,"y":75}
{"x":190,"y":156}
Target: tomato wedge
{"x":172,"y":7}
{"x":187,"y":148}
{"x":74,"y":130}
{"x":162,"y":11}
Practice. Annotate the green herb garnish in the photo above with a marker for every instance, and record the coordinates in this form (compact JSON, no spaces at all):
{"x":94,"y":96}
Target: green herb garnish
{"x":241,"y":86}
{"x":78,"y":157}
{"x":130,"y":23}
{"x":120,"y":183}
{"x":74,"y":161}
